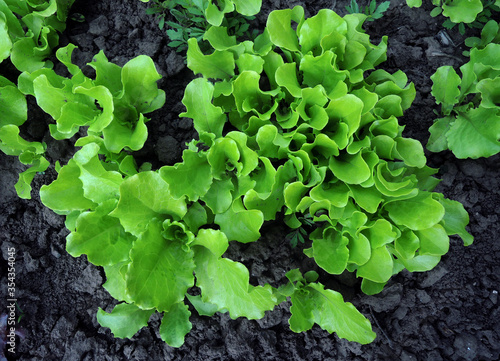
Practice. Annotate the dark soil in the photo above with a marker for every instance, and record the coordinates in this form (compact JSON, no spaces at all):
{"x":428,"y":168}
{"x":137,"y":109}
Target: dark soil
{"x":449,"y":313}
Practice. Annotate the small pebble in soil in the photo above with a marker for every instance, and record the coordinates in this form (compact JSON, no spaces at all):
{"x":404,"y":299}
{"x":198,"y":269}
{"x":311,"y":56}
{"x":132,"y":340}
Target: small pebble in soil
{"x":99,"y":26}
{"x":494,"y":297}
{"x":168,"y":150}
{"x":445,"y":40}
{"x":472,"y":168}
{"x":465,"y":346}
{"x":185,"y":124}
{"x":423,"y":296}
{"x":408,"y":356}
{"x":433,"y":276}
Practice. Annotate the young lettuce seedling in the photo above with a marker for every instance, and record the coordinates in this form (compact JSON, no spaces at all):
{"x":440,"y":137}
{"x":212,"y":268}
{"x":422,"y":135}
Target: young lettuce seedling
{"x":372,"y":11}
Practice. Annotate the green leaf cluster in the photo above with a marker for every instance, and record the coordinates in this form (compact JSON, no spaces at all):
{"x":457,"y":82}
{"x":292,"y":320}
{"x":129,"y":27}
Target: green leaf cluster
{"x":372,"y":10}
{"x":312,"y":303}
{"x":151,"y":248}
{"x":490,"y":33}
{"x":14,"y":111}
{"x":112,"y":105}
{"x":192,"y":18}
{"x":473,"y":13}
{"x":288,"y":124}
{"x":28,"y":33}
{"x":470,"y":104}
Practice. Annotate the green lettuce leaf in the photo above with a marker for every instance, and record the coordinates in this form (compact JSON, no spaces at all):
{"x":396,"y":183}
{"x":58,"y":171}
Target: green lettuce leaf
{"x":240,"y":224}
{"x":330,"y":250}
{"x":445,"y":88}
{"x":417,"y":213}
{"x":191,"y":178}
{"x":225,"y":283}
{"x":66,"y":193}
{"x":462,"y":11}
{"x":101,"y":237}
{"x":207,"y":118}
{"x":143,"y":197}
{"x":175,"y":325}
{"x":475,"y":134}
{"x":218,"y":65}
{"x":157,"y":261}
{"x":125,"y":320}
{"x":327,"y":308}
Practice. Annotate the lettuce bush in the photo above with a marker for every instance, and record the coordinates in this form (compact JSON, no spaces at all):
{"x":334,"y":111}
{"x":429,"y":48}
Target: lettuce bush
{"x":14,"y":109}
{"x":470,"y":105}
{"x":28,"y":33}
{"x":112,"y":105}
{"x":290,"y":123}
{"x":332,"y":137}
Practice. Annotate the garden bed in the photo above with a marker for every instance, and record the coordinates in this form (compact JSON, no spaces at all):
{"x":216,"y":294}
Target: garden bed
{"x":449,"y":313}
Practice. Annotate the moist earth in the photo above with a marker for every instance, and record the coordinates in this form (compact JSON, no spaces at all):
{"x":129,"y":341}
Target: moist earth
{"x":449,"y":313}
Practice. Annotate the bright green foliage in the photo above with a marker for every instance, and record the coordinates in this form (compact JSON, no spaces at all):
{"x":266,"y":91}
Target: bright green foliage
{"x":462,"y":10}
{"x":28,"y":31}
{"x":372,"y":11}
{"x":160,"y":271}
{"x":331,"y":141}
{"x":225,"y":283}
{"x":470,"y":105}
{"x":489,"y":34}
{"x":150,"y":246}
{"x":14,"y":113}
{"x":311,"y":304}
{"x":125,"y":319}
{"x":100,"y":236}
{"x":193,"y":18}
{"x":175,"y":325}
{"x":145,"y":196}
{"x":473,"y":13}
{"x":124,"y":95}
{"x":288,"y":124}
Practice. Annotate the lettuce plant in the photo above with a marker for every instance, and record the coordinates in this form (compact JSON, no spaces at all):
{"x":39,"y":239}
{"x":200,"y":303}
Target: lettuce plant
{"x":470,"y":106}
{"x":335,"y":132}
{"x":473,"y":13}
{"x":112,"y":105}
{"x":290,"y":124}
{"x":490,"y":33}
{"x":144,"y":237}
{"x":14,"y":111}
{"x":28,"y":31}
